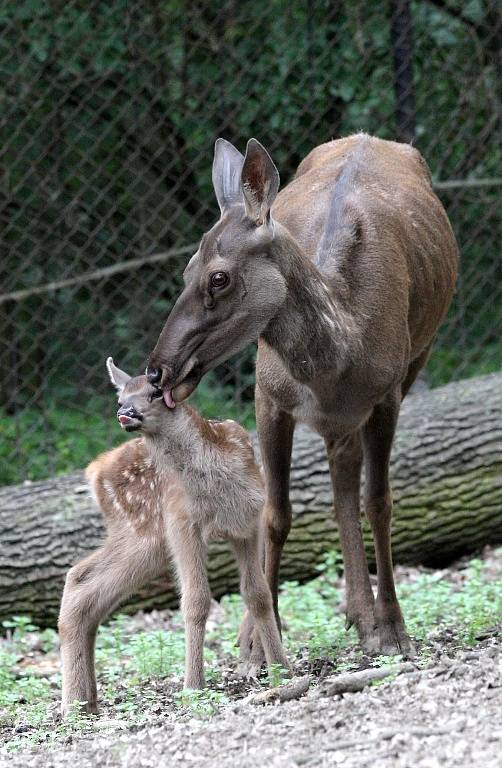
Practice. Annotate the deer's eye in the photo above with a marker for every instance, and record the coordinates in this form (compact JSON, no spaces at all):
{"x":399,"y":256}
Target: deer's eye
{"x":218,"y":280}
{"x":155,"y":394}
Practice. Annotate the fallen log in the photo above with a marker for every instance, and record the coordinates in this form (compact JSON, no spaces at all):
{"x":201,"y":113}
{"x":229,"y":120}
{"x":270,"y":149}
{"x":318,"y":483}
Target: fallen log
{"x":290,"y":691}
{"x":446,"y":477}
{"x":353,"y":682}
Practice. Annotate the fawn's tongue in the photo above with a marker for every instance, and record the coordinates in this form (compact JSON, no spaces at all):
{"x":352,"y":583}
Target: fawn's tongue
{"x":168,"y":398}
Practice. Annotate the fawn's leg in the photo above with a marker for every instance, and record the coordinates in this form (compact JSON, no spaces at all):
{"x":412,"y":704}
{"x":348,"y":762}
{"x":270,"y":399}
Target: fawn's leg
{"x":258,"y":599}
{"x":345,"y":460}
{"x":378,"y":434}
{"x":275,"y":431}
{"x":93,"y":588}
{"x":189,"y":554}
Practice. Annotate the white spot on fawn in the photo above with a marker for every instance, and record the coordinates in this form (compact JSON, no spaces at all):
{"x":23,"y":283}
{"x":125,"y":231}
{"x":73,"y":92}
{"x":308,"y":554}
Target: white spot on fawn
{"x":109,"y":489}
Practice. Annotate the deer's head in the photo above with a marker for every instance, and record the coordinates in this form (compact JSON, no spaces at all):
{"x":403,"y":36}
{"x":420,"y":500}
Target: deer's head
{"x":141,"y":405}
{"x":233,"y":287}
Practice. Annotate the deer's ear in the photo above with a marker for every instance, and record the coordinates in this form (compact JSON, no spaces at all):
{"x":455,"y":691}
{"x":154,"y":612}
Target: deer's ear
{"x":227,"y":167}
{"x":260,"y":182}
{"x":117,"y":377}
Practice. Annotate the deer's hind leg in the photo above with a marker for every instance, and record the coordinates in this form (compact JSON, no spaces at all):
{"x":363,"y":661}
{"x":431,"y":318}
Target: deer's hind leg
{"x":92,"y":590}
{"x":378,"y":434}
{"x":258,"y":599}
{"x":345,"y":462}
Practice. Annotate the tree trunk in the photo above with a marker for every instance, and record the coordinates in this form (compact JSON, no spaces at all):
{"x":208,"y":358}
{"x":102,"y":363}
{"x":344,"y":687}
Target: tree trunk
{"x":446,"y":477}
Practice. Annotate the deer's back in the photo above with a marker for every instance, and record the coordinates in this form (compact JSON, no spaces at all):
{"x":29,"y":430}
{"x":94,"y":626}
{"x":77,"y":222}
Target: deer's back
{"x":363,"y":209}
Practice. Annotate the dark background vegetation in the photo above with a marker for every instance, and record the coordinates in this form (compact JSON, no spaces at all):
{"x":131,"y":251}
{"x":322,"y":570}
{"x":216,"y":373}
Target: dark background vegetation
{"x":109,"y":111}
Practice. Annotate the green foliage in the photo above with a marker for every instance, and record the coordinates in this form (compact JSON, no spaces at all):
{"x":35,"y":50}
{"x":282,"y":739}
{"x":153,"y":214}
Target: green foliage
{"x":432,"y":603}
{"x":277,"y":675}
{"x":57,"y":440}
{"x":446,"y":363}
{"x":202,"y":703}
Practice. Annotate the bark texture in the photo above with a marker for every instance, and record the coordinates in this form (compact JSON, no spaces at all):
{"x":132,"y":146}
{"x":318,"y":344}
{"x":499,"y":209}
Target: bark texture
{"x":446,"y":479}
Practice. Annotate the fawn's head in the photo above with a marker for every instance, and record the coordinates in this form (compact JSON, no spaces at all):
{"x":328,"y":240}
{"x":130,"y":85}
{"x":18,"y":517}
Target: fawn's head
{"x":233,"y":287}
{"x":141,"y":404}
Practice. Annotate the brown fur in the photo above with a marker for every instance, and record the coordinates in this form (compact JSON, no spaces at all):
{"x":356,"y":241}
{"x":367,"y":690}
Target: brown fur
{"x":166,"y":494}
{"x":343,"y":278}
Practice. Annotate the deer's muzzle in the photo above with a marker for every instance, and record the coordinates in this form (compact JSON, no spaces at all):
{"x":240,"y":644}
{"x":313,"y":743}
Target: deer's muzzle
{"x":129,"y":418}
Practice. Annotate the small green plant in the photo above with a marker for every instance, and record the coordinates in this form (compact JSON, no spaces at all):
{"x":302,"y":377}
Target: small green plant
{"x":77,"y":718}
{"x":203,"y":703}
{"x":388,"y":679}
{"x":18,"y":627}
{"x":277,"y":675}
{"x":346,"y":666}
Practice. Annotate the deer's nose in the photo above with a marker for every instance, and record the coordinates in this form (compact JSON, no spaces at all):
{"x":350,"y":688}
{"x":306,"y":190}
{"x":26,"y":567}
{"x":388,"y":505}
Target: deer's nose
{"x":154,"y":375}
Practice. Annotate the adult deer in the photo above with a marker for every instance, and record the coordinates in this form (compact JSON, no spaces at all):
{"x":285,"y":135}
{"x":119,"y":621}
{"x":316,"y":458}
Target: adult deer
{"x":344,"y":278}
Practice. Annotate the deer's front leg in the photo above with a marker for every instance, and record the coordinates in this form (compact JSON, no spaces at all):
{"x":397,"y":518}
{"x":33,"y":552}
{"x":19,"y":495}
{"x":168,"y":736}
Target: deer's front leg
{"x":189,"y":554}
{"x":258,"y":600}
{"x":275,"y":432}
{"x":345,"y":460}
{"x":93,"y":588}
{"x":378,"y":434}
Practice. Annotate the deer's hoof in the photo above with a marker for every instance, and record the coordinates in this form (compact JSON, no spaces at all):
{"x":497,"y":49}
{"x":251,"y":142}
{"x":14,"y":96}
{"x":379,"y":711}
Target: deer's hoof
{"x":370,"y":643}
{"x":364,"y":623}
{"x":394,"y":640}
{"x":250,"y":669}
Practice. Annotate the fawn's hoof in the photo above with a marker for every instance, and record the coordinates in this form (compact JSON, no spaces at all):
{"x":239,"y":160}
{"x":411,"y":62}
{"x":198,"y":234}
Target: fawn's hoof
{"x":246,"y":637}
{"x":78,"y":708}
{"x":250,"y":646}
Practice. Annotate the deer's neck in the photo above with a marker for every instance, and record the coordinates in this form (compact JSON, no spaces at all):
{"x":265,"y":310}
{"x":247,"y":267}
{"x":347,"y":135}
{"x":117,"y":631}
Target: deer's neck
{"x":313,"y":332}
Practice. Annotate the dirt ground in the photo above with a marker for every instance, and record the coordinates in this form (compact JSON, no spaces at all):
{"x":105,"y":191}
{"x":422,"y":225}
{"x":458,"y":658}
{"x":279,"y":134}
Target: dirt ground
{"x":447,"y":715}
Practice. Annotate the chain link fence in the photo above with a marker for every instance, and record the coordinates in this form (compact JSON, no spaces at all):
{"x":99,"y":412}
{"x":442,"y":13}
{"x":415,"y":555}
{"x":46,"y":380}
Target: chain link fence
{"x":108,"y":116}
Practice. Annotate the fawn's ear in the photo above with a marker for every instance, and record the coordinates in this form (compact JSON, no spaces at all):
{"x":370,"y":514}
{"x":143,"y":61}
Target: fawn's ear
{"x":117,"y":377}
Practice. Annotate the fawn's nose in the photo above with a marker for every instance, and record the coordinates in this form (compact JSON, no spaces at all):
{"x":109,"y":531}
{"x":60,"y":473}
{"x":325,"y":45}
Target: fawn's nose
{"x":154,"y":375}
{"x":128,"y":412}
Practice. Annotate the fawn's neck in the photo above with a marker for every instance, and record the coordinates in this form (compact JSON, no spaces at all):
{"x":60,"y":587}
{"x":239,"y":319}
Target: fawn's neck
{"x":181,"y":443}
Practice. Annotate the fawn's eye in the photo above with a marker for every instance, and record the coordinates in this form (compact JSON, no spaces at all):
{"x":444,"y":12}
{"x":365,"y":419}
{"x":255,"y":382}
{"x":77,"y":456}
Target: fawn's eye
{"x":155,"y":394}
{"x":218,"y":280}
